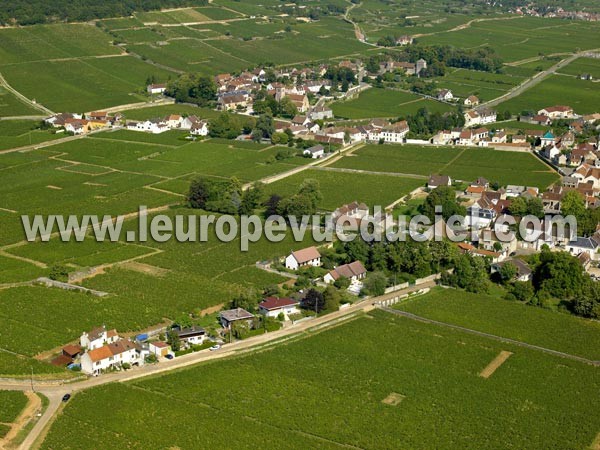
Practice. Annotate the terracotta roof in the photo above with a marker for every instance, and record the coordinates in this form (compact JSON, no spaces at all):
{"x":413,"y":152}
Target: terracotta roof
{"x":100,"y":353}
{"x":306,"y":254}
{"x":353,"y":269}
{"x":71,"y":350}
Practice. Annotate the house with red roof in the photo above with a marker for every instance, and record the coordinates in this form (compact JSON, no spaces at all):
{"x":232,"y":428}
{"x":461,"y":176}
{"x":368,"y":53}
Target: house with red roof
{"x":274,"y":306}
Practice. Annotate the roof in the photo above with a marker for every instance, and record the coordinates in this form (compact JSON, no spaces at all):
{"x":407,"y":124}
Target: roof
{"x":61,"y":361}
{"x":100,"y":353}
{"x":190,"y":332}
{"x":95,"y":333}
{"x":306,"y":254}
{"x":522,"y":267}
{"x":315,"y":149}
{"x":71,"y":350}
{"x":232,"y":315}
{"x":159,"y":344}
{"x":439,"y":180}
{"x":272,"y":303}
{"x":353,"y":269}
{"x":558,"y":108}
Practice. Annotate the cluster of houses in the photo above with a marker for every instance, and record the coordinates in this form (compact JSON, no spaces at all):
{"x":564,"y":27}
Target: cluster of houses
{"x":196,"y":126}
{"x":80,"y":124}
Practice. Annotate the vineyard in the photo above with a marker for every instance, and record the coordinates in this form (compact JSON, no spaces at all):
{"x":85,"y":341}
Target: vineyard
{"x":337,"y":398}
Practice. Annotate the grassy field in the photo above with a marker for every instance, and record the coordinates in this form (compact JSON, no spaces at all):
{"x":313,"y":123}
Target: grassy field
{"x":460,"y":163}
{"x":385,"y":103}
{"x":484,"y":85}
{"x":339,"y":188}
{"x":427,"y":374}
{"x":582,"y":96}
{"x":550,"y":329}
{"x":11,"y":405}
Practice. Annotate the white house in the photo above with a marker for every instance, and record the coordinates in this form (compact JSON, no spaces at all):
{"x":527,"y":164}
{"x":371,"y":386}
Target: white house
{"x":438,"y":180}
{"x":315,"y":152}
{"x":557,"y":112}
{"x":394,"y":133}
{"x":156,"y":88}
{"x":159,"y":349}
{"x":273,"y":306}
{"x":483,"y":116}
{"x":355,"y":271}
{"x":199,"y":128}
{"x":111,"y":356}
{"x":471,"y":100}
{"x":306,"y":257}
{"x":585,"y":245}
{"x":192,"y":336}
{"x":98,"y":337}
{"x":524,"y":272}
{"x":174,"y":121}
{"x":445,"y":95}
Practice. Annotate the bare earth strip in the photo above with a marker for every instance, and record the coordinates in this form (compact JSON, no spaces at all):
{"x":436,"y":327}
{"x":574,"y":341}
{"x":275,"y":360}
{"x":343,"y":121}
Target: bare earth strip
{"x":596,"y":444}
{"x":145,"y":268}
{"x":26,"y":415}
{"x":493,"y":366}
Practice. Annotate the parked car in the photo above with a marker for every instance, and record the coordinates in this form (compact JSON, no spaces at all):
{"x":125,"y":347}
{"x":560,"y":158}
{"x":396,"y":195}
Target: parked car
{"x":66,"y":397}
{"x":215,"y":347}
{"x":169,"y":356}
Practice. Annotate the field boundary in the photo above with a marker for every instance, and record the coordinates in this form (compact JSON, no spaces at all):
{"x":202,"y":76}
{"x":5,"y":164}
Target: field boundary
{"x":495,"y":364}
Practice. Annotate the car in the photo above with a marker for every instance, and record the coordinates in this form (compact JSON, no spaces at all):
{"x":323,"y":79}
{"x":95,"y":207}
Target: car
{"x":169,"y":356}
{"x":215,"y":347}
{"x":66,"y":397}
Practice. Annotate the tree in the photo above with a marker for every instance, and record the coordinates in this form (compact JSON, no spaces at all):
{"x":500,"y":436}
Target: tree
{"x":331,"y":299}
{"x":264,"y":127}
{"x":560,"y":275}
{"x":445,"y":197}
{"x":251,"y":198}
{"x":342,"y":283}
{"x":173,"y":340}
{"x":522,"y":290}
{"x":313,"y":301}
{"x":508,"y":272}
{"x":245,"y":300}
{"x":58,"y":272}
{"x":199,"y":193}
{"x":272,"y":205}
{"x":375,"y":284}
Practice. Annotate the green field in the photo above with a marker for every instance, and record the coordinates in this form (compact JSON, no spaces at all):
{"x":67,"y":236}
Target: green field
{"x":550,"y":329}
{"x":583,"y":66}
{"x":11,"y":106}
{"x":81,"y":85}
{"x":340,"y":188}
{"x":336,"y":400}
{"x":582,"y":96}
{"x":20,"y":133}
{"x":484,"y":85}
{"x":460,"y":163}
{"x":385,"y":103}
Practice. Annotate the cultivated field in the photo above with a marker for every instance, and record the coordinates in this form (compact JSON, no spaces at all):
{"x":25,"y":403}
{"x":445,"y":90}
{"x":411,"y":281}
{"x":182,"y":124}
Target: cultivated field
{"x":557,"y":331}
{"x":340,"y":188}
{"x":412,"y":385}
{"x":582,"y":66}
{"x":461,"y":163}
{"x":385,"y":103}
{"x":582,"y":96}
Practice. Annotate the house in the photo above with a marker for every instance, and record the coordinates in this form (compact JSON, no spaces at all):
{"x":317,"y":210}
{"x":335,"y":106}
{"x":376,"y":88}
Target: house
{"x":173,"y":120}
{"x":232,"y":102}
{"x":443,"y":137}
{"x":355,"y":271}
{"x":404,"y":40}
{"x":191,"y":336}
{"x":111,"y":356}
{"x":300,"y":120}
{"x":354,"y":209}
{"x":159,"y":349}
{"x":548,"y":139}
{"x":59,"y":120}
{"x":471,"y":101}
{"x":393,"y":133}
{"x":445,"y":95}
{"x":76,"y":126}
{"x":438,"y":180}
{"x":199,"y":128}
{"x":273,"y":306}
{"x":315,"y":152}
{"x":97,"y":115}
{"x":306,"y":257}
{"x":227,"y":318}
{"x":558,"y":112}
{"x":499,"y":137}
{"x":156,"y":88}
{"x":524,"y":272}
{"x":97,"y":338}
{"x":300,"y":101}
{"x":587,"y":173}
{"x":587,"y":245}
{"x":479,"y":117}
